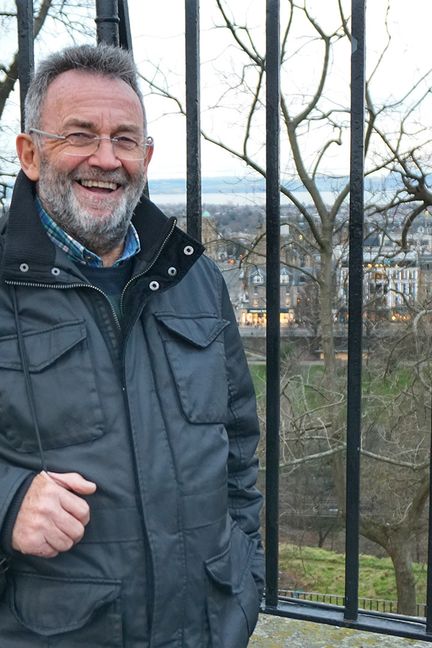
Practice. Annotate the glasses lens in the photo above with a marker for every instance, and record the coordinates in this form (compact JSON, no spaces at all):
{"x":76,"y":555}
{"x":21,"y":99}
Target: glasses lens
{"x":124,"y":152}
{"x":85,"y":145}
{"x":81,"y":144}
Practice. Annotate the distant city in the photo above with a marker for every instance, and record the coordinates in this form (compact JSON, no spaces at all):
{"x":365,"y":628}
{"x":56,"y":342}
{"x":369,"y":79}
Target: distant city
{"x":396,"y":280}
{"x":255,"y":184}
{"x":234,"y":235}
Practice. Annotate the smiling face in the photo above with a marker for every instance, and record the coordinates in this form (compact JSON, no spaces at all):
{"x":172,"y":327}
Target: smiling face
{"x":92,"y":197}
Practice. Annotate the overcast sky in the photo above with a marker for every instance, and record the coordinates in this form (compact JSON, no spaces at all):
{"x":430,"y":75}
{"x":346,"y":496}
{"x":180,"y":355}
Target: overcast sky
{"x":158,"y":39}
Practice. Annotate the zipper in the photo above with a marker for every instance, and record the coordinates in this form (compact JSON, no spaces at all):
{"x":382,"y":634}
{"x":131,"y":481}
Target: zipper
{"x":148,"y":552}
{"x":150,"y":265}
{"x":29,"y":284}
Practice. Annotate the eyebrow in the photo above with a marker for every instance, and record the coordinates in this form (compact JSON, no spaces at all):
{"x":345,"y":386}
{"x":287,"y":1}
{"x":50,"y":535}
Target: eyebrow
{"x":80,"y":123}
{"x":89,"y":125}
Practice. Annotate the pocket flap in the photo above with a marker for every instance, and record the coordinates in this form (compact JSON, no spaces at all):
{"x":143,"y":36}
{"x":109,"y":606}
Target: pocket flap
{"x":199,"y":330}
{"x":43,"y":347}
{"x":219,"y":568}
{"x":50,"y":606}
{"x":229,"y":568}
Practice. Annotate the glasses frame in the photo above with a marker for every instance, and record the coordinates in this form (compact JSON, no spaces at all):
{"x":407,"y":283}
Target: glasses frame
{"x":148,"y":142}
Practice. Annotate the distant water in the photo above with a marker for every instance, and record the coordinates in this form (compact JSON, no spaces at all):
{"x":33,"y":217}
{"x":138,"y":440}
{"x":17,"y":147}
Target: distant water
{"x":241,"y":198}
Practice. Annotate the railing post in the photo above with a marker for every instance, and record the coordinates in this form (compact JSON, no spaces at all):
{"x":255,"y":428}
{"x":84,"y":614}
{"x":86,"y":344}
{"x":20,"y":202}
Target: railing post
{"x":107,"y":22}
{"x":355,"y":307}
{"x":25,"y":50}
{"x":273,"y":299}
{"x":193,"y":123}
{"x":125,"y":36}
{"x":429,"y":564}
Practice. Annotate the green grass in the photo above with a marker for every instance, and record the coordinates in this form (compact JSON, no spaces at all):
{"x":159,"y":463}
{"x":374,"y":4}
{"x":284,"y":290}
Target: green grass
{"x":311,"y":569}
{"x":311,"y":385}
{"x":258,"y":373}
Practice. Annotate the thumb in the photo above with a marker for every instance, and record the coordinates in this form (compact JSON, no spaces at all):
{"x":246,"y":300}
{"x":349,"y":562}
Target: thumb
{"x":73,"y":481}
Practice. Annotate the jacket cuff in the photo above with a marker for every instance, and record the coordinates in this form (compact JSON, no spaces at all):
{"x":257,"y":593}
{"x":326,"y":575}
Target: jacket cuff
{"x":11,"y":515}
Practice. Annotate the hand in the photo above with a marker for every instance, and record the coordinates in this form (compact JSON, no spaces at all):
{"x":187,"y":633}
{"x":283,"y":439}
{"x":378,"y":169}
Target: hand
{"x":52,"y":518}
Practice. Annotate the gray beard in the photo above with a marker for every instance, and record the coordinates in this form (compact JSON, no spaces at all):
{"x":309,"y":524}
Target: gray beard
{"x":98,"y":234}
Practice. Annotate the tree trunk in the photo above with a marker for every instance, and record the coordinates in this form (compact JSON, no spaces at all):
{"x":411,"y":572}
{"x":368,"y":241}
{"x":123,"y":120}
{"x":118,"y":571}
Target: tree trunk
{"x":400,"y":553}
{"x":330,"y":378}
{"x":326,"y":316}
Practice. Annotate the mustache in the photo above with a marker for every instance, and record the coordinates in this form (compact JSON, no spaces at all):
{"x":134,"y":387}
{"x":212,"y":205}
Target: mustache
{"x":118,"y":176}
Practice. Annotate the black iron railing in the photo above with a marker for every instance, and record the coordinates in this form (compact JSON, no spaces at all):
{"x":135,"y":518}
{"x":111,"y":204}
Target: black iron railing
{"x":113,"y":27}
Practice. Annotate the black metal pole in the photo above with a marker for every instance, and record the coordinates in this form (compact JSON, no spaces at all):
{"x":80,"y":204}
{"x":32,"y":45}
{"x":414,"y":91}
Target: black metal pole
{"x":125,"y":36}
{"x":25,"y":50}
{"x":429,"y":567}
{"x":107,"y":22}
{"x":193,"y":123}
{"x":355,"y":304}
{"x":273,"y":299}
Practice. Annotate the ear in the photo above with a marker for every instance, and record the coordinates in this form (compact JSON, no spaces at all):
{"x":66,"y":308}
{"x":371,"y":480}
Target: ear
{"x":148,"y":152}
{"x":28,"y":156}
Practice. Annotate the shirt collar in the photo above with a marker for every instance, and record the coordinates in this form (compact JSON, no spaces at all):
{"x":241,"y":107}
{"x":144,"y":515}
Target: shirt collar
{"x":80,"y":253}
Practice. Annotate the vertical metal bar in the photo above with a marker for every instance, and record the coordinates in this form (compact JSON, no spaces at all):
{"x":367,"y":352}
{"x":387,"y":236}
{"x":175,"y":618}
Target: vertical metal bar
{"x":107,"y":22}
{"x":125,"y":36}
{"x":355,"y":309}
{"x":273,"y":298}
{"x":193,"y":123}
{"x":25,"y":50}
{"x":125,"y":41}
{"x":429,"y":567}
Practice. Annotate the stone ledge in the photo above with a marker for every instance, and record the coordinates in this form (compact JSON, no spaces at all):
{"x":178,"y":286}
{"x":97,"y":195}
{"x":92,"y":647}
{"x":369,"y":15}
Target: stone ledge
{"x":277,"y":632}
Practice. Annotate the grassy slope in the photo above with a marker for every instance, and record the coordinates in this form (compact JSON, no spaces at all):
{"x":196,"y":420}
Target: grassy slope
{"x":318,"y":570}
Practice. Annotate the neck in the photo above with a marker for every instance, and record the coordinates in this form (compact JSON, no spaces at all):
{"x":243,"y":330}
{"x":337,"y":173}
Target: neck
{"x":111,"y":257}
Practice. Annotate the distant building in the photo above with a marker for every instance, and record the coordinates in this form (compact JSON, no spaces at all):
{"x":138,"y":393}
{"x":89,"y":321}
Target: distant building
{"x":253,"y":310}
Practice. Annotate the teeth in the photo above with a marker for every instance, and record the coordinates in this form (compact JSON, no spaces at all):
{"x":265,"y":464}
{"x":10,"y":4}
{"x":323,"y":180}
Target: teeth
{"x":100,"y":184}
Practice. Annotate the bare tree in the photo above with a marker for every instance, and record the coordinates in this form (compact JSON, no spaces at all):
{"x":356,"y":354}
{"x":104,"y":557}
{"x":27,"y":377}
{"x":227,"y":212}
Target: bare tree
{"x":315,"y":124}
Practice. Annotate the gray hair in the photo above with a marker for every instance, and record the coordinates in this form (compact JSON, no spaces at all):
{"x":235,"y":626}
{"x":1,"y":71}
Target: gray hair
{"x":105,"y":60}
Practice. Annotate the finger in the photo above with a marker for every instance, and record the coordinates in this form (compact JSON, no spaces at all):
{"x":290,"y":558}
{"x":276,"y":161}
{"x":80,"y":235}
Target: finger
{"x":47,"y":551}
{"x":69,"y":525}
{"x":74,"y":482}
{"x":57,"y":540}
{"x":75,"y":505}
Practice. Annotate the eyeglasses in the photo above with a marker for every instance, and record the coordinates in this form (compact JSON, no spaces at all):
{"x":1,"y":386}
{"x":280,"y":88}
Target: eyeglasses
{"x":82,"y":144}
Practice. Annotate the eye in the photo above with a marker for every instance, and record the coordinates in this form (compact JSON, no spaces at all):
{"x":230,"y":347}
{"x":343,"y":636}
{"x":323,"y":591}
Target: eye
{"x":125,"y":143}
{"x":80,"y":139}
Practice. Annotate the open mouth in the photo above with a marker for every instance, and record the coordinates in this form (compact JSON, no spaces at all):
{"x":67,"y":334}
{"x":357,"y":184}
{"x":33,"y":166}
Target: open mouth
{"x":99,"y":186}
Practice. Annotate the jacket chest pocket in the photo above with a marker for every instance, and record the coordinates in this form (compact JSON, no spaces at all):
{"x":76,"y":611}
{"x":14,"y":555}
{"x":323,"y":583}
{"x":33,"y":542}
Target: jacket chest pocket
{"x":67,"y":403}
{"x":195,"y":352}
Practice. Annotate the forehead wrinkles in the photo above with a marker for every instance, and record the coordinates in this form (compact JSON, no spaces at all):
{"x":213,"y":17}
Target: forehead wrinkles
{"x":92,"y":98}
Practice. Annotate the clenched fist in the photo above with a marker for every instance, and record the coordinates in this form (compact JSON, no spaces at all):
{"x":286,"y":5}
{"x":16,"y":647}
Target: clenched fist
{"x":53,"y":516}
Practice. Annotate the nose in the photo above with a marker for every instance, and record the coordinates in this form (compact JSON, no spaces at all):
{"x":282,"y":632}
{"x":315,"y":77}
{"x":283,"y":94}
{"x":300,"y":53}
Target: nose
{"x":104,"y":156}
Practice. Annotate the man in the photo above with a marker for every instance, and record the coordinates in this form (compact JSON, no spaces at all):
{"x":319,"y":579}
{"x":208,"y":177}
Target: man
{"x":128,"y":507}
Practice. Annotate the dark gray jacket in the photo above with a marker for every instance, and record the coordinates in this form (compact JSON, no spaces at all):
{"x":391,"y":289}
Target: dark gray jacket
{"x":159,"y":411}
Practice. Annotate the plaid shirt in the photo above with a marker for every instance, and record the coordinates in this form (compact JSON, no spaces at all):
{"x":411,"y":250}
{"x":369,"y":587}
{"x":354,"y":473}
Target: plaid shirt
{"x":78,"y":252}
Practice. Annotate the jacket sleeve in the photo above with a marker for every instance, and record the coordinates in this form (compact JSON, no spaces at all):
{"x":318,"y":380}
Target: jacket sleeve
{"x":14,"y":483}
{"x":9,"y":519}
{"x":244,"y":499}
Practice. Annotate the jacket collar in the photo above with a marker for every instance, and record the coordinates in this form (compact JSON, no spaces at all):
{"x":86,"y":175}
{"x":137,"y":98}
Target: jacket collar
{"x":30,"y":256}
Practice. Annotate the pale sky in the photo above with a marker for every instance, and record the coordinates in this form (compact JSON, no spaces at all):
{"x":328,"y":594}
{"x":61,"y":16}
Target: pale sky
{"x":158,"y":40}
{"x":158,"y":37}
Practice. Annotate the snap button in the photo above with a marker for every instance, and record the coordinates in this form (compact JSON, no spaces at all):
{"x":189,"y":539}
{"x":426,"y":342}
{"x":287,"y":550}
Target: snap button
{"x":188,"y":250}
{"x":24,"y":267}
{"x":55,"y":272}
{"x":172,"y":271}
{"x":154,"y":285}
